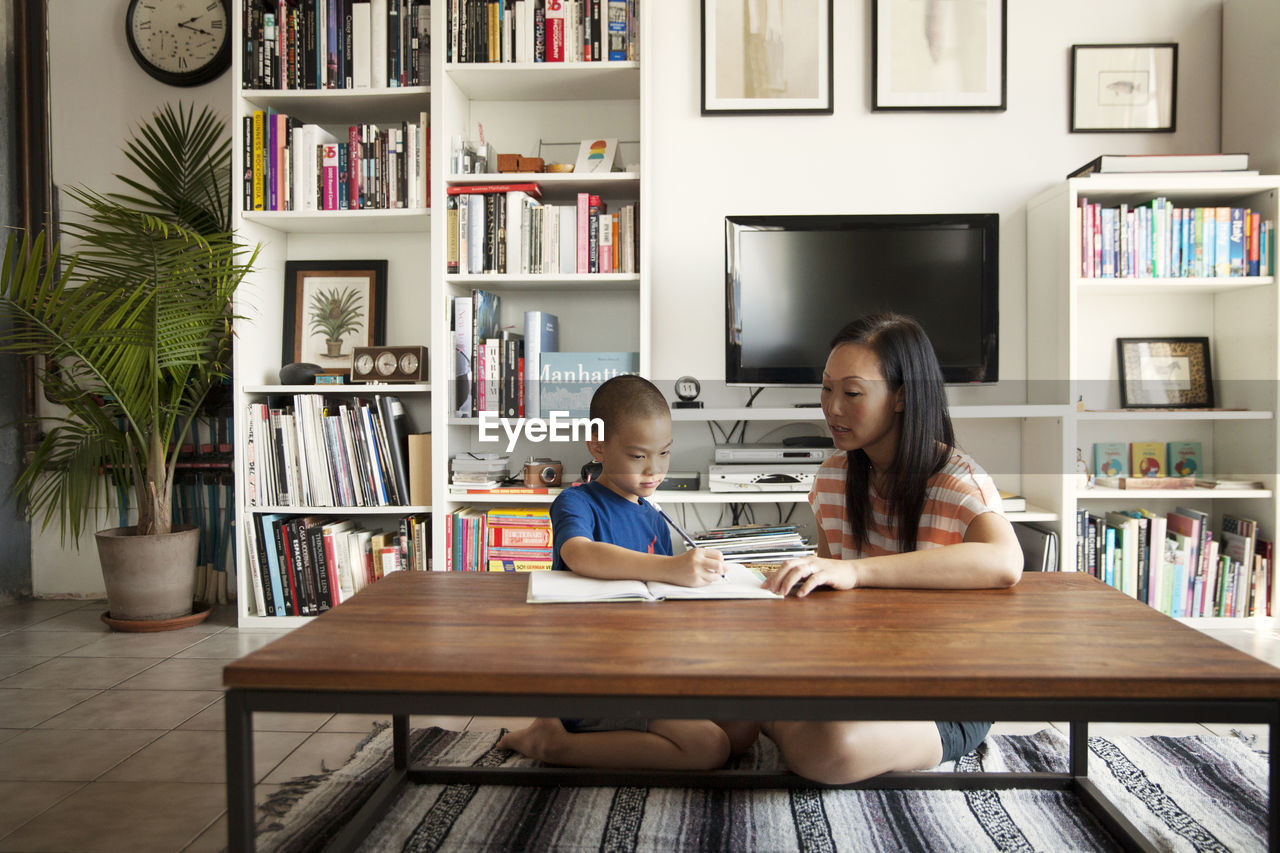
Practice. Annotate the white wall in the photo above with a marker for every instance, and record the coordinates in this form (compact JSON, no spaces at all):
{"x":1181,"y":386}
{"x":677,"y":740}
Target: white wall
{"x":1251,"y":123}
{"x":857,"y":161}
{"x":98,"y":95}
{"x":703,"y":169}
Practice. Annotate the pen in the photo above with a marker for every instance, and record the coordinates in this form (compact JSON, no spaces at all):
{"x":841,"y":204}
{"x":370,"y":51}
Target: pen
{"x":688,"y":540}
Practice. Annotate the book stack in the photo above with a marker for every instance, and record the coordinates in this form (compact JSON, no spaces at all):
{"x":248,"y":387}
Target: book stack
{"x":1157,"y":239}
{"x":531,"y":31}
{"x":475,"y":470}
{"x":1176,"y":564}
{"x":304,"y":565}
{"x":755,"y":544}
{"x":506,"y":228}
{"x":339,"y":44}
{"x":326,"y":450}
{"x":290,"y":165}
{"x":518,"y":539}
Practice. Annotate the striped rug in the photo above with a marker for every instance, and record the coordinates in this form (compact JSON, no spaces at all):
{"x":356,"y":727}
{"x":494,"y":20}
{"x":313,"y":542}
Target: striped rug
{"x":1185,"y":793}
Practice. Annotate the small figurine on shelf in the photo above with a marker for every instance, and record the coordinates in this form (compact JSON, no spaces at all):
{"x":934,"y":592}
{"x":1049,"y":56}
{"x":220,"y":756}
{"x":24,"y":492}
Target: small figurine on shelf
{"x":1082,"y":470}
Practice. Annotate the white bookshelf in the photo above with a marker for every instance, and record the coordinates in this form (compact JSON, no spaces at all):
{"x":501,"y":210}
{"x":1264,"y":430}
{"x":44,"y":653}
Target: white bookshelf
{"x":1072,"y":325}
{"x":535,"y":109}
{"x":400,"y":236}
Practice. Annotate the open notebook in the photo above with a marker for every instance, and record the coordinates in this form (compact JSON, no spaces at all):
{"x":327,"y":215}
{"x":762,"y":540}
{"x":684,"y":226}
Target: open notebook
{"x":551,"y":587}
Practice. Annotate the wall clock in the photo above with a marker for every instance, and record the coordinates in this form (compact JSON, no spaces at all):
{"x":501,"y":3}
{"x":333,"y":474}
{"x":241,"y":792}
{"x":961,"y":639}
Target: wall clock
{"x":180,"y":42}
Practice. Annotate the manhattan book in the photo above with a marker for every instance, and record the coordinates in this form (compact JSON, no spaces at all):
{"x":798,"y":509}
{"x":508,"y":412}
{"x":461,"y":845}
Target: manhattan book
{"x":567,"y":380}
{"x":566,"y":587}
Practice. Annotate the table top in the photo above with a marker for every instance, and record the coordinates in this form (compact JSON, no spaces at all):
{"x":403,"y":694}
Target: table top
{"x":1053,"y":635}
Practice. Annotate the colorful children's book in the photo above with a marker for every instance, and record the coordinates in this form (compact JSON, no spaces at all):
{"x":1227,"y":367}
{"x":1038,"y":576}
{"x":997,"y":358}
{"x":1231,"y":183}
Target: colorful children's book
{"x":1184,"y":459}
{"x":1110,"y":459}
{"x":1147,"y":458}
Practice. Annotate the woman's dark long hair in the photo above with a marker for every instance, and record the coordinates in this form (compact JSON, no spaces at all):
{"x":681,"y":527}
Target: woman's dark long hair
{"x":926,"y":437}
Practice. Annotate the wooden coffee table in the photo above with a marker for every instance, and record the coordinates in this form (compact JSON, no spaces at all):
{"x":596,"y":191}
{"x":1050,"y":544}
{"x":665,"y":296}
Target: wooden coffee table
{"x":1058,"y":646}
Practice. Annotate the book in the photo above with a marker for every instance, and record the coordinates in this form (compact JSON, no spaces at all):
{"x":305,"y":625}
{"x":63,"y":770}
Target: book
{"x":1227,"y":483}
{"x":1184,"y":458}
{"x":566,"y":587}
{"x":1123,"y":163}
{"x":568,"y":379}
{"x":541,"y":334}
{"x":1039,"y":547}
{"x":1012,"y":502}
{"x":1110,"y":459}
{"x":1147,"y":459}
{"x":396,"y":423}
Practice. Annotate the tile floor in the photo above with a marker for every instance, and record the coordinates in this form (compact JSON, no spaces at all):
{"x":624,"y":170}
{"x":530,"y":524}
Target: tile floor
{"x":113,"y":742}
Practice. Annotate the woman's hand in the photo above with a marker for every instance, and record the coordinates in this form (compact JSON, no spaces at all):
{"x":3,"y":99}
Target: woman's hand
{"x":806,"y":574}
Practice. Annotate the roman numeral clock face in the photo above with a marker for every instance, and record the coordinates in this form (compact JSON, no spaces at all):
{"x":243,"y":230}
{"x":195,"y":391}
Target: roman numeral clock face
{"x":180,"y":42}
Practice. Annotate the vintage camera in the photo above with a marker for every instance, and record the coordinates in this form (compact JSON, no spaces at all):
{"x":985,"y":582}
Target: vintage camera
{"x":543,"y":472}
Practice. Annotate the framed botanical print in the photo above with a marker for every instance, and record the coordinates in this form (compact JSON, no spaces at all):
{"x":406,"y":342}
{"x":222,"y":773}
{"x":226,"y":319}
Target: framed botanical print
{"x":331,"y":307}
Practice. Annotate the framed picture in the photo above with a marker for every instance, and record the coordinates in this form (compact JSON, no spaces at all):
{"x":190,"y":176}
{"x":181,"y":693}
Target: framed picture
{"x":1165,"y":373}
{"x":330,"y":307}
{"x":1124,"y":88}
{"x":766,"y":56}
{"x":938,"y":56}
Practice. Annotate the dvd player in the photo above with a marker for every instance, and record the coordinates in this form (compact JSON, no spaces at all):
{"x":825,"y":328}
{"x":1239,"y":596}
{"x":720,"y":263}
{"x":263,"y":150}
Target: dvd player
{"x":770,"y":453}
{"x":761,"y":478}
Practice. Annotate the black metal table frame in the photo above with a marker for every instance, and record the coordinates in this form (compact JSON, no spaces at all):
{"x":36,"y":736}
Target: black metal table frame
{"x":242,"y":703}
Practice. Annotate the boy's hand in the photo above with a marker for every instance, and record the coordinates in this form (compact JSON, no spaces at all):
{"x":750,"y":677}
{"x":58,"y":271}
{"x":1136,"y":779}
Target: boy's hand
{"x":697,"y":567}
{"x":805,"y":574}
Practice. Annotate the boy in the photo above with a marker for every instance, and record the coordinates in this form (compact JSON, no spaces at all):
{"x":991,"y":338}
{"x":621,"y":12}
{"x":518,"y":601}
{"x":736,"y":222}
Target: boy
{"x":606,"y":529}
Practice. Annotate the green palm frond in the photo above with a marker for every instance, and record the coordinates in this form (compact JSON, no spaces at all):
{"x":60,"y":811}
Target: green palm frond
{"x":136,"y":331}
{"x":187,"y":158}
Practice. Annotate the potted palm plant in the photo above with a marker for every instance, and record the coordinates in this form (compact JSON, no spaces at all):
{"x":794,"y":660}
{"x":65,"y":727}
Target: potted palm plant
{"x":132,"y":335}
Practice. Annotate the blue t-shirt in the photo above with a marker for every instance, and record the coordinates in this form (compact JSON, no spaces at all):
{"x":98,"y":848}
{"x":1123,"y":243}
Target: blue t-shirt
{"x":602,"y":515}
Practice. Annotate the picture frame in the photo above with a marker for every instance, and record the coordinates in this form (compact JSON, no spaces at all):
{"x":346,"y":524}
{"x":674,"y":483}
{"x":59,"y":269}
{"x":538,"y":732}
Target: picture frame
{"x":767,"y":56}
{"x":357,"y":291}
{"x":1165,"y":373}
{"x":955,"y":61}
{"x":1124,"y":88}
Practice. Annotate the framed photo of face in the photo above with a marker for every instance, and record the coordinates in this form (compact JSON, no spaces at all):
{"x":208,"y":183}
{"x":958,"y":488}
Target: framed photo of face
{"x":331,"y":307}
{"x":1124,"y":88}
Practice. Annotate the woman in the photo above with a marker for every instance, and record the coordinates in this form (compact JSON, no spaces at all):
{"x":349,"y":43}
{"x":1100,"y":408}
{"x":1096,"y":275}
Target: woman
{"x":897,"y":505}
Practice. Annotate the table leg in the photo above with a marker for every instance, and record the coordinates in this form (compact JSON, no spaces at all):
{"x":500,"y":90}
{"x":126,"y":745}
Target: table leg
{"x":239,"y":748}
{"x":400,"y":741}
{"x":1273,"y":792}
{"x":1078,"y":749}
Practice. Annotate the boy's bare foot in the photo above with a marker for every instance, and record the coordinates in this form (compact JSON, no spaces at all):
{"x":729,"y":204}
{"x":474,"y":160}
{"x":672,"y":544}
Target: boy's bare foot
{"x":537,"y":740}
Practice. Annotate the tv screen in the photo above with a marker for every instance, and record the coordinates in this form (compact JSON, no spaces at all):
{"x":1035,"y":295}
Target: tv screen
{"x":793,"y":281}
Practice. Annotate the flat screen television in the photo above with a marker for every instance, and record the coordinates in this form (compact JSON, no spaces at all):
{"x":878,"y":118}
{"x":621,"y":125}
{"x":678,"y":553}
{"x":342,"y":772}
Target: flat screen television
{"x":793,"y":281}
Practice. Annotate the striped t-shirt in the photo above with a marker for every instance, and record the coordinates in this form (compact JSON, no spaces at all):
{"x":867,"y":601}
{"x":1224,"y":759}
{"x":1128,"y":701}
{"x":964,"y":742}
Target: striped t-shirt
{"x":957,"y":494}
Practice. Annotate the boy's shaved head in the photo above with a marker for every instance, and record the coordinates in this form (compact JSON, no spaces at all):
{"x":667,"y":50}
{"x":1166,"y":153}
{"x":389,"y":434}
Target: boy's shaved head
{"x":627,"y":398}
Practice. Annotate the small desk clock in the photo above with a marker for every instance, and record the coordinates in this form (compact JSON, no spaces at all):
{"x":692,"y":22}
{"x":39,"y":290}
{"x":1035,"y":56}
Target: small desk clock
{"x":687,"y":389}
{"x":389,"y":364}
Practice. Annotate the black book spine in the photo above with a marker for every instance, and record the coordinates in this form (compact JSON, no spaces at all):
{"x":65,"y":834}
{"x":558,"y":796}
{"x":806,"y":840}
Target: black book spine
{"x":539,"y":31}
{"x":309,"y":78}
{"x":490,"y":232}
{"x":319,"y":567}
